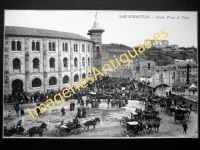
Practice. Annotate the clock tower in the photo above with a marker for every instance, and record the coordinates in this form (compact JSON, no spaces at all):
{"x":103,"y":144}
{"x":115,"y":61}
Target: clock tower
{"x":95,"y":34}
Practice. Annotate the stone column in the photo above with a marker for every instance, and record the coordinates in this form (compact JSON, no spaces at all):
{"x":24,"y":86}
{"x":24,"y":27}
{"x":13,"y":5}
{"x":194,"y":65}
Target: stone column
{"x":6,"y":67}
{"x":60,"y":64}
{"x":71,"y":61}
{"x":80,"y":60}
{"x":27,"y":65}
{"x":45,"y":64}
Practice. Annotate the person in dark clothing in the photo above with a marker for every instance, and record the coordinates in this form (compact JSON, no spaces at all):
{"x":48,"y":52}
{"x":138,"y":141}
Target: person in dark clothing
{"x":185,"y":127}
{"x":70,"y":106}
{"x":79,"y":112}
{"x":83,"y":113}
{"x":63,"y":111}
{"x":190,"y":106}
{"x":22,"y":112}
{"x":82,"y":102}
{"x":73,"y":105}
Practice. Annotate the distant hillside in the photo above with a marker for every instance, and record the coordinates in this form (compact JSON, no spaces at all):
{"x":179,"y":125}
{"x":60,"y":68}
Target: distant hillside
{"x":163,"y":57}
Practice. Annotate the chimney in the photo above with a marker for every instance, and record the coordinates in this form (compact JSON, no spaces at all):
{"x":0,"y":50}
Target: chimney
{"x":188,"y":71}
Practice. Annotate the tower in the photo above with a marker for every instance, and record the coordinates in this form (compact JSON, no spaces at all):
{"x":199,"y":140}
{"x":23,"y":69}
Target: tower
{"x":95,"y":34}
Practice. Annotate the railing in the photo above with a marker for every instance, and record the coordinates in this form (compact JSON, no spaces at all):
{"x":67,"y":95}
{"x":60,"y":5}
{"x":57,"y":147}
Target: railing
{"x":16,"y":70}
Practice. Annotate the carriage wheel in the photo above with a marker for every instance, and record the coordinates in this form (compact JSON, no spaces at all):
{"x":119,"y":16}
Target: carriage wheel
{"x":123,"y":132}
{"x":78,"y":131}
{"x":55,"y":130}
{"x":61,"y":133}
{"x":86,"y":129}
{"x":130,"y":133}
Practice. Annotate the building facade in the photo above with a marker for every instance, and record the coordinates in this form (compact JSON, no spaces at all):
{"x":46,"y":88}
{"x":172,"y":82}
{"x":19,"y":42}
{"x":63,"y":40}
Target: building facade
{"x":161,"y":44}
{"x":41,"y":60}
{"x":181,"y":69}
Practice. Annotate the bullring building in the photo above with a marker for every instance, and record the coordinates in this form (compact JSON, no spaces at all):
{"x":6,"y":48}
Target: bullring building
{"x":41,"y":60}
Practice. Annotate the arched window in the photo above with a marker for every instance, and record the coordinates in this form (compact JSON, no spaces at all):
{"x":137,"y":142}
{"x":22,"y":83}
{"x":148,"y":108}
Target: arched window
{"x":49,"y":46}
{"x":88,"y":61}
{"x":36,"y":82}
{"x":75,"y":62}
{"x":76,"y":78}
{"x":13,"y":46}
{"x":66,"y":47}
{"x":65,"y":79}
{"x":52,"y":81}
{"x":65,"y":62}
{"x":37,"y":46}
{"x":33,"y":46}
{"x":16,"y":64}
{"x":18,"y":45}
{"x":63,"y":46}
{"x":52,"y":63}
{"x":83,"y":76}
{"x":53,"y":46}
{"x":36,"y":63}
{"x":83,"y":48}
{"x":83,"y":62}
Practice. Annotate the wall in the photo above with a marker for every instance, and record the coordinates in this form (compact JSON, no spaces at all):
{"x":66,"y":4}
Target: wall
{"x":26,"y":56}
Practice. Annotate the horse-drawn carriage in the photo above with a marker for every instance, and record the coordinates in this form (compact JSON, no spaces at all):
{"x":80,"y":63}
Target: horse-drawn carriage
{"x":68,"y":129}
{"x":132,"y":129}
{"x":182,"y":114}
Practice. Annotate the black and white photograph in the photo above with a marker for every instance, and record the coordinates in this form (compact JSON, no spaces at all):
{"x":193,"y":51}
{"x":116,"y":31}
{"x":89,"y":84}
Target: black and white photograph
{"x":78,"y":74}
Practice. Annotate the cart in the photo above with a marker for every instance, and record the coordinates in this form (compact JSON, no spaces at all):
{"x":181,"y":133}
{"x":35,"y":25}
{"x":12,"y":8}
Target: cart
{"x":64,"y":130}
{"x":131,"y":130}
{"x":124,"y":120}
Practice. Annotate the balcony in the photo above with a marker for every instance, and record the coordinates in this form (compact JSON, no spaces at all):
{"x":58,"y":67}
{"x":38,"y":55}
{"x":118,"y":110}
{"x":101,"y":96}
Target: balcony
{"x":16,"y":71}
{"x":36,"y":70}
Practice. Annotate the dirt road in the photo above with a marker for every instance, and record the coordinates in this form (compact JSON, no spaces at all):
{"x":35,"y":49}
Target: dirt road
{"x":110,"y":125}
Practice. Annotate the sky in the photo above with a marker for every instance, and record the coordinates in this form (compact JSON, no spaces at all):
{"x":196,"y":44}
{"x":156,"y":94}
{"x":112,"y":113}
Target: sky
{"x":121,"y":30}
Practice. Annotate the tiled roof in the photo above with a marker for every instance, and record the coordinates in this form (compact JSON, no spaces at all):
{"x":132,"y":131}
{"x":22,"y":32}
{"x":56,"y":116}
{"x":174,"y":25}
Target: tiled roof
{"x":193,"y":89}
{"x":24,"y":31}
{"x":157,"y":84}
{"x":181,"y":84}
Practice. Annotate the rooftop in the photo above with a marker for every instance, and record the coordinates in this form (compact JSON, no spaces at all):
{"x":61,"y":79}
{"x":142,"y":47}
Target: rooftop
{"x":24,"y":31}
{"x":181,"y":84}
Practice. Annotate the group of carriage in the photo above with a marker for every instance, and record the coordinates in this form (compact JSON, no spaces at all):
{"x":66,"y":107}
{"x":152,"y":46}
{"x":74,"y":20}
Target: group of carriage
{"x":74,"y":128}
{"x":140,"y":121}
{"x":181,"y":113}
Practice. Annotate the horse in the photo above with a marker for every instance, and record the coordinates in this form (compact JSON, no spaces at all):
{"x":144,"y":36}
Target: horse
{"x":37,"y":130}
{"x":163,"y":105}
{"x":10,"y":132}
{"x":92,"y":122}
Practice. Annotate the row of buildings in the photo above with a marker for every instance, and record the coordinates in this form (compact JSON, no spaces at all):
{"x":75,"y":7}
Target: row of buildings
{"x":161,"y":44}
{"x":41,"y":60}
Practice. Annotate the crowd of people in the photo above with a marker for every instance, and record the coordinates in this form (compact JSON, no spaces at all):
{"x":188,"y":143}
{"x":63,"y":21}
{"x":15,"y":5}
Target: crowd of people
{"x":100,"y":86}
